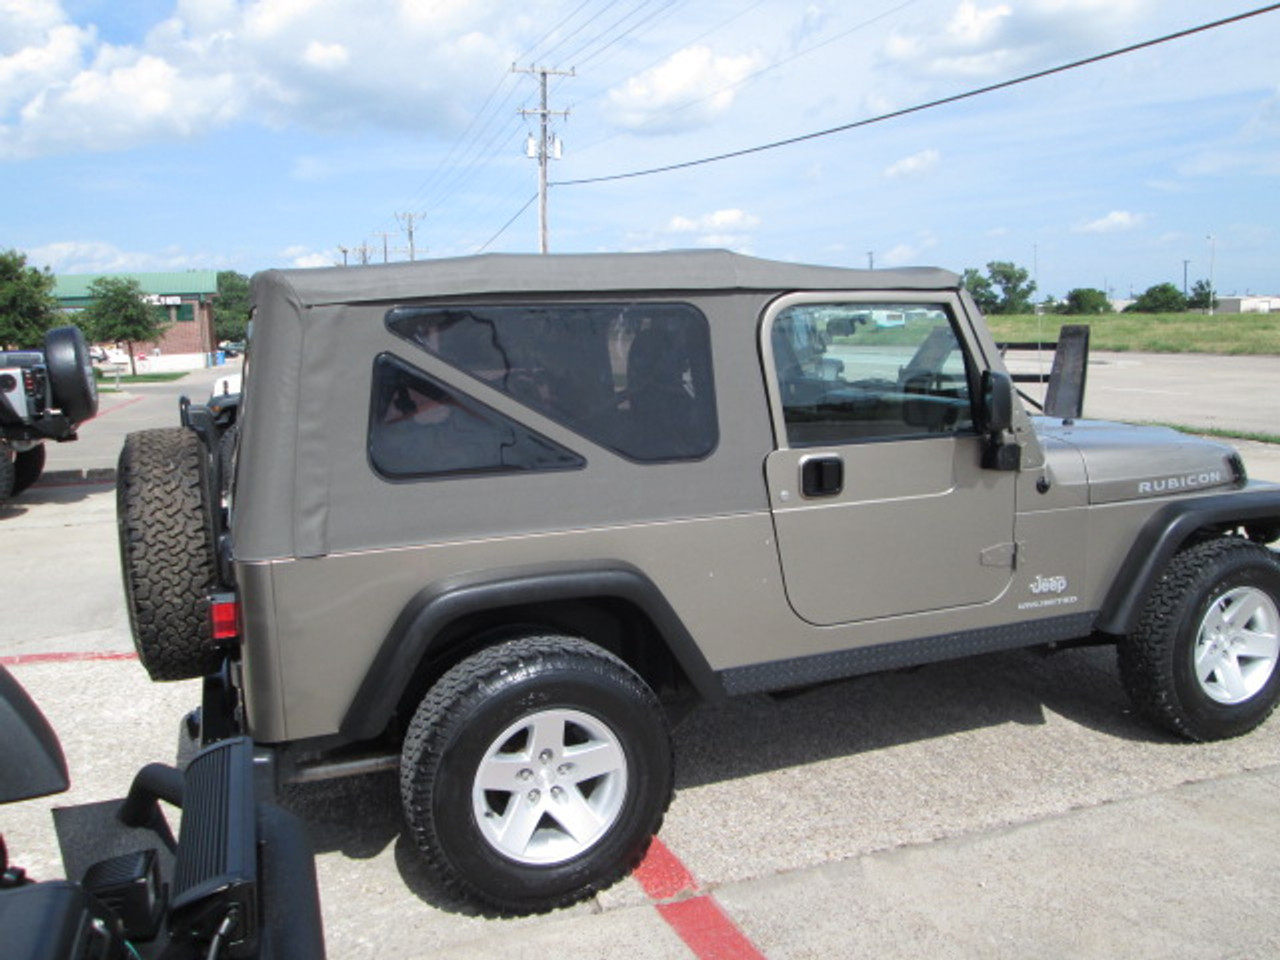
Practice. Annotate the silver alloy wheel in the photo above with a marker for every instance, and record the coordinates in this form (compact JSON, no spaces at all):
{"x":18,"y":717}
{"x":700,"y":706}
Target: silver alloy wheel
{"x":1237,"y":645}
{"x":550,"y":786}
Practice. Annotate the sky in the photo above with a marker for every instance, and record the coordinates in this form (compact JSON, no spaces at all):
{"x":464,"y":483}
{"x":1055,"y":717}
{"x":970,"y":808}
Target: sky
{"x":163,"y":135}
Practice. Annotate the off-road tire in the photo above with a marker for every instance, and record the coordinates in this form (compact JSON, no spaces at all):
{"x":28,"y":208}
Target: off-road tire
{"x":166,"y":552}
{"x":7,"y":473}
{"x":71,"y":380}
{"x":28,"y":465}
{"x":1158,"y":660}
{"x":459,"y":724}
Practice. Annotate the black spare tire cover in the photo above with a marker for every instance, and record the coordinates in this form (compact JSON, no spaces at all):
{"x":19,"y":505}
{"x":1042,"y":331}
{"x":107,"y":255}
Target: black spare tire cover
{"x":75,"y":392}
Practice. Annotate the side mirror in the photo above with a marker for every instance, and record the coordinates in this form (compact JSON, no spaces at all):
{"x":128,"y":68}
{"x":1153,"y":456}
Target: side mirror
{"x":997,"y":402}
{"x":997,"y":417}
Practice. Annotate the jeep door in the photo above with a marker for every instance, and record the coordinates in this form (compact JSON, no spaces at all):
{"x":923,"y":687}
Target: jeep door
{"x":881,"y":506}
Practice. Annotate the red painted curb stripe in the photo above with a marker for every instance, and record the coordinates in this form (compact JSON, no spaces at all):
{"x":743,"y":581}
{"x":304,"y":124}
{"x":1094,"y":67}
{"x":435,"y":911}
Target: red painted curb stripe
{"x":21,"y":659}
{"x":112,"y":409}
{"x":707,"y":930}
{"x":662,"y":875}
{"x":698,"y":919}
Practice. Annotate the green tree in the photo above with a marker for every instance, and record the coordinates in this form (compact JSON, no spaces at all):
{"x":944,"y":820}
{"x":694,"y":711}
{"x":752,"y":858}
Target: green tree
{"x":1006,"y":288}
{"x":231,"y":310}
{"x":980,"y":289}
{"x":1086,"y":300}
{"x":1203,"y":296}
{"x":120,"y":313}
{"x":27,"y":305}
{"x":1015,"y":286}
{"x":1162,"y":298}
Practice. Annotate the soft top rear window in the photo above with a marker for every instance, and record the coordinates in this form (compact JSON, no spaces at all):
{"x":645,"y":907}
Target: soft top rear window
{"x":634,"y":378}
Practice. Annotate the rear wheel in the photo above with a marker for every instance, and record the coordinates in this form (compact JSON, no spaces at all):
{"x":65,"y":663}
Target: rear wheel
{"x":535,"y":773}
{"x":166,"y":552}
{"x":7,"y":472}
{"x":1203,"y":661}
{"x":28,"y":465}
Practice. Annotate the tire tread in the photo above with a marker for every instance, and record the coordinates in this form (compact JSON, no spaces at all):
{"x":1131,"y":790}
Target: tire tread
{"x":443,"y":710}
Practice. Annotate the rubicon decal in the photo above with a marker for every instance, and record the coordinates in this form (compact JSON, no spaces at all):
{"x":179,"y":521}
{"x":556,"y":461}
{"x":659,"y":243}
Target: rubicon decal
{"x":1190,"y":481}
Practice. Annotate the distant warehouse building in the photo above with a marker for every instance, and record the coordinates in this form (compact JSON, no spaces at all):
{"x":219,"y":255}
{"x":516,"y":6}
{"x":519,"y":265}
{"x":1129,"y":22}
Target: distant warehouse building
{"x":1249,"y":304}
{"x":189,"y":340}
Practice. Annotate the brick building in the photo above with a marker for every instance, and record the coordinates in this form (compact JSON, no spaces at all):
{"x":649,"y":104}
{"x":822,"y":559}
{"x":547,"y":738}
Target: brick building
{"x":187,"y":297}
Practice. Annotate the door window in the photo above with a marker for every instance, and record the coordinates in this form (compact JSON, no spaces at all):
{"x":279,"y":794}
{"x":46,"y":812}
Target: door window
{"x":854,"y":372}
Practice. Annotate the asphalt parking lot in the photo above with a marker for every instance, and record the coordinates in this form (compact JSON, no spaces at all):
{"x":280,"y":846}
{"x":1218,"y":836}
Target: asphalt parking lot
{"x":1001,"y":806}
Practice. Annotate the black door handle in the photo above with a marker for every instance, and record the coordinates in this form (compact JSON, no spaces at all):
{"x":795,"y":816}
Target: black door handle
{"x":822,"y":477}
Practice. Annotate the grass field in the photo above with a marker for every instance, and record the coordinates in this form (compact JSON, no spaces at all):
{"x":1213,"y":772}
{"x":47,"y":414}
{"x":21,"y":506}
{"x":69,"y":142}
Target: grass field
{"x":1224,"y":333}
{"x":111,"y":380}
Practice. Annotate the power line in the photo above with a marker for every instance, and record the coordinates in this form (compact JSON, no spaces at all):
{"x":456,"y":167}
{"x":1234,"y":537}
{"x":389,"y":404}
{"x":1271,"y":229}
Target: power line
{"x":755,"y":75}
{"x":503,"y":228}
{"x":919,"y":108}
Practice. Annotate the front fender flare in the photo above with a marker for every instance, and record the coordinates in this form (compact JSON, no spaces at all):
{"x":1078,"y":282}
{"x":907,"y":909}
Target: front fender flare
{"x":413,"y":636}
{"x":1165,"y":532}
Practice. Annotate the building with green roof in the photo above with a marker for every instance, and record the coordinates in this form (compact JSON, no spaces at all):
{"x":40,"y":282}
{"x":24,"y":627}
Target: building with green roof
{"x":189,"y":340}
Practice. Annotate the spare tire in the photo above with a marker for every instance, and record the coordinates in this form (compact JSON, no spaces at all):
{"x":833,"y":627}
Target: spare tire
{"x":166,"y":552}
{"x":75,"y":392}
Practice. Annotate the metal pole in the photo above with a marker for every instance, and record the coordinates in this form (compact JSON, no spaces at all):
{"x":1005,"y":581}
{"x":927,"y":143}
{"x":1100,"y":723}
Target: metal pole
{"x":544,"y":142}
{"x":542,"y":168}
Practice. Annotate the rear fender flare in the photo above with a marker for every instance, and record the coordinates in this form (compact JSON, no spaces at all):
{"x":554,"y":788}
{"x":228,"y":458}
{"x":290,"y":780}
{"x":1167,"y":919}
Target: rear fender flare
{"x":415,"y":634}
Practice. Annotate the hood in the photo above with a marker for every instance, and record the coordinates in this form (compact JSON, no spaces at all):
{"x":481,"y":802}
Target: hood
{"x":1127,"y":462}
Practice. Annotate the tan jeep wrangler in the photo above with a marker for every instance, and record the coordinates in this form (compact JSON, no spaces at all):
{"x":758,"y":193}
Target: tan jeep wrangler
{"x":490,"y":520}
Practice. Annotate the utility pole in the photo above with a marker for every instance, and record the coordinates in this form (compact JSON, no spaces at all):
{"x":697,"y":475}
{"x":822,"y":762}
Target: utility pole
{"x":1213,"y":255}
{"x":383,"y":234}
{"x":1185,"y":264}
{"x":344,"y":251}
{"x":407,"y":219}
{"x":544,"y":144}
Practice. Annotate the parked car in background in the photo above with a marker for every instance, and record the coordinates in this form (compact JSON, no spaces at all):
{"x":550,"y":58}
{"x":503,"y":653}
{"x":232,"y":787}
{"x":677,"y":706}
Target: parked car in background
{"x":44,"y":396}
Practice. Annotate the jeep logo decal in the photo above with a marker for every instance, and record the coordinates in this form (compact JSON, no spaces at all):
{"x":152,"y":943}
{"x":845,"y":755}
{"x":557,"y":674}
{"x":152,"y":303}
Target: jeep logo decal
{"x":1048,"y":585}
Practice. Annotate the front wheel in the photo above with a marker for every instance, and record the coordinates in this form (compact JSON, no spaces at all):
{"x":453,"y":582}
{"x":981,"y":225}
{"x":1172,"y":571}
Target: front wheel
{"x":535,"y":773}
{"x":1203,"y":661}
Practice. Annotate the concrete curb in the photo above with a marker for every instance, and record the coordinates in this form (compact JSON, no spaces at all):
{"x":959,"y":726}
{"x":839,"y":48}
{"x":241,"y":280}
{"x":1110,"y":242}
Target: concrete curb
{"x":67,"y":478}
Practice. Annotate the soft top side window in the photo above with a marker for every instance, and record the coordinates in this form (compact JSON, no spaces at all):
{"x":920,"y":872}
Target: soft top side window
{"x":634,"y":378}
{"x":421,"y":428}
{"x":854,"y":372}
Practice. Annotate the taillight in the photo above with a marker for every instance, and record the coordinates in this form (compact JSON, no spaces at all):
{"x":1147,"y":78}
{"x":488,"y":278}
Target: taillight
{"x":224,"y":617}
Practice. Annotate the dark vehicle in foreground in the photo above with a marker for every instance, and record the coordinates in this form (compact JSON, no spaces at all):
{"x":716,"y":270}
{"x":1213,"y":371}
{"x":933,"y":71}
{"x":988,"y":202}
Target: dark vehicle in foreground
{"x":494,"y":522}
{"x":237,"y":882}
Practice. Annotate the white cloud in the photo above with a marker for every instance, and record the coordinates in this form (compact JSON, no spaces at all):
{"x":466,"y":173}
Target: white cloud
{"x":76,"y":256}
{"x":719,"y":220}
{"x":1114,"y":222}
{"x":729,"y":229}
{"x":326,"y":56}
{"x":687,"y":90}
{"x":915,"y":165}
{"x":908,"y":253}
{"x":279,"y":62}
{"x":996,"y":39}
{"x":302,"y":256}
